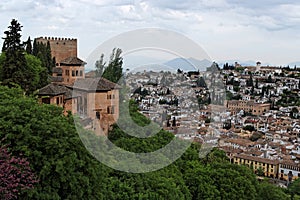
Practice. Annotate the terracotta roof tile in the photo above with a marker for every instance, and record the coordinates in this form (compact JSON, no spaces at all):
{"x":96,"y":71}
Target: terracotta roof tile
{"x":94,"y":84}
{"x":52,"y":89}
{"x":57,"y":70}
{"x":57,"y":79}
{"x":72,"y":61}
{"x":258,"y":159}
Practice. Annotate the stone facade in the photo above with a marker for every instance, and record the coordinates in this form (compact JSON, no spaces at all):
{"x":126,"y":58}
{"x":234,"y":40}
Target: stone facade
{"x":61,"y":48}
{"x":235,"y":106}
{"x":96,"y":101}
{"x":69,"y":67}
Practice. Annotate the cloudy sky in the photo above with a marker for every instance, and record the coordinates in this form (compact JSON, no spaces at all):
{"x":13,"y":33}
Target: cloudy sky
{"x":266,"y":30}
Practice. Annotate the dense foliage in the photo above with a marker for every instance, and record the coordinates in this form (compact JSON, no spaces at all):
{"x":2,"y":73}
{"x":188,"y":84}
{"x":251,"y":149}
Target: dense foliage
{"x":15,"y":175}
{"x":113,"y":71}
{"x":49,"y":141}
{"x":66,"y":170}
{"x":17,"y":65}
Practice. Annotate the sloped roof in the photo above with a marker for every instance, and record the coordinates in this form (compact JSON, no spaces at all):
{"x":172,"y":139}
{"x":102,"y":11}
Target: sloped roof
{"x":57,"y":79}
{"x":94,"y":84}
{"x":72,"y":61}
{"x":53,"y":89}
{"x":57,"y":70}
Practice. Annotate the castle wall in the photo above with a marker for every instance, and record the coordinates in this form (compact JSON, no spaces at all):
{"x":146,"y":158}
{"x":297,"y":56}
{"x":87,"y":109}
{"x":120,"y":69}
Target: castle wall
{"x":61,"y":48}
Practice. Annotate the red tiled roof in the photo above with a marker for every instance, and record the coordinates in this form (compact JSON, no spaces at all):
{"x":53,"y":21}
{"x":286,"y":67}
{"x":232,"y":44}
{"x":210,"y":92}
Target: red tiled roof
{"x":72,"y":61}
{"x":94,"y":84}
{"x":52,"y":89}
{"x":258,"y":159}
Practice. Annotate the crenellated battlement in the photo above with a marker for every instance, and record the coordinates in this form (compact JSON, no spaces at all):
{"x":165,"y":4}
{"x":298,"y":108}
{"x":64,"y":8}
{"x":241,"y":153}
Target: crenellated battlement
{"x":61,"y":48}
{"x":57,"y":39}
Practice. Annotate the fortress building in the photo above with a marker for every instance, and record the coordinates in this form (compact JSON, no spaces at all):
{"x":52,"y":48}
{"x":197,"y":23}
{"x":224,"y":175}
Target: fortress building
{"x":69,"y":67}
{"x":96,"y":101}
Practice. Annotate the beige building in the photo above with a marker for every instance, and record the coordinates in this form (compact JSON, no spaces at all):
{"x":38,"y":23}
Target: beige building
{"x":69,"y":67}
{"x":289,"y":170}
{"x":235,"y":106}
{"x":269,"y":167}
{"x":95,"y":100}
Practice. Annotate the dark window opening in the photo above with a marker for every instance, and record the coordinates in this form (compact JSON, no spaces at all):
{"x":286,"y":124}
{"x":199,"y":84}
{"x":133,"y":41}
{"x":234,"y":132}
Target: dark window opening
{"x":46,"y":100}
{"x":98,"y":115}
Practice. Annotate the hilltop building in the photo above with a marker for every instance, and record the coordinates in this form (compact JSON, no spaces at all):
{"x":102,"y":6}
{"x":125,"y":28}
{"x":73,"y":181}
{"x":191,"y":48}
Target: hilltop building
{"x":69,"y":67}
{"x":95,"y":101}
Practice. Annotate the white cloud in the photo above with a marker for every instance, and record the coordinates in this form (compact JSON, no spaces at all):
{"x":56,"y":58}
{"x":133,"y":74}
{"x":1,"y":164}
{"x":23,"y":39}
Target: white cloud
{"x":227,"y":28}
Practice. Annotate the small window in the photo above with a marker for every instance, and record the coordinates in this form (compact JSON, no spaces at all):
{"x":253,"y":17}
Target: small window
{"x":76,"y":72}
{"x":98,"y":115}
{"x":57,"y":100}
{"x":81,"y":73}
{"x":113,"y":96}
{"x":111,"y":110}
{"x":73,"y":73}
{"x":109,"y":96}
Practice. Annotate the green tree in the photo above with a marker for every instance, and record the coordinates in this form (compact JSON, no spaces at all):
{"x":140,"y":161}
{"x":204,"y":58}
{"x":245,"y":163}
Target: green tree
{"x":51,"y":144}
{"x":43,"y":52}
{"x":249,"y":128}
{"x":28,"y":47}
{"x":294,"y":112}
{"x":201,"y":82}
{"x":249,"y":82}
{"x":14,"y":69}
{"x":293,"y":188}
{"x":18,"y":67}
{"x":100,"y":66}
{"x":256,"y":83}
{"x":39,"y":75}
{"x":269,"y":80}
{"x":260,"y":171}
{"x":113,"y":71}
{"x":267,"y":191}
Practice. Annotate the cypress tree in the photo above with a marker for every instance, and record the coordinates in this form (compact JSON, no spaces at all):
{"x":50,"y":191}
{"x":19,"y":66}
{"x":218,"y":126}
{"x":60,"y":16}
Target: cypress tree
{"x":28,"y":48}
{"x":14,"y":65}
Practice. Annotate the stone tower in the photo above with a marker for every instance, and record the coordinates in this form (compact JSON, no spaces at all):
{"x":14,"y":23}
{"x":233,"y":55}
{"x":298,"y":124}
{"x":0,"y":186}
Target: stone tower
{"x":69,"y":67}
{"x":61,"y":48}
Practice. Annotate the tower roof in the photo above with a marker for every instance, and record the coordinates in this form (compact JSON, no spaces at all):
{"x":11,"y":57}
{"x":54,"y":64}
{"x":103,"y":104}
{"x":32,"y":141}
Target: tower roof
{"x":74,"y":61}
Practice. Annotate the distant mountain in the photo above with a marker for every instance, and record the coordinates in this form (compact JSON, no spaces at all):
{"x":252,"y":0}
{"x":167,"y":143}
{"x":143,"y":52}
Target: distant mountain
{"x":188,"y":64}
{"x":297,"y":63}
{"x":154,"y":68}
